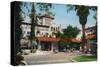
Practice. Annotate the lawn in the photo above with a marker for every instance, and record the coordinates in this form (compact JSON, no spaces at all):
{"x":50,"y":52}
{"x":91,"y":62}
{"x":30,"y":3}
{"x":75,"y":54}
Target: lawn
{"x":85,"y":58}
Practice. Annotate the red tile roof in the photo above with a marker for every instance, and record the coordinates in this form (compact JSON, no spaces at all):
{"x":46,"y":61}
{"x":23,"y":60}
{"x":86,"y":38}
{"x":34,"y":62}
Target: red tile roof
{"x":47,"y":39}
{"x":50,"y":39}
{"x":91,"y":36}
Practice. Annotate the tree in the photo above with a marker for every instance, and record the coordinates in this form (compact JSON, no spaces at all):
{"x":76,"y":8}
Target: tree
{"x":82,"y":12}
{"x":58,"y":34}
{"x":33,"y":21}
{"x":71,"y":32}
{"x":42,"y":7}
{"x":34,"y":15}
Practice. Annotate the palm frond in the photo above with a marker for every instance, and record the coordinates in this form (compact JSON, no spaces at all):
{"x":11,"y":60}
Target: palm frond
{"x":70,"y":7}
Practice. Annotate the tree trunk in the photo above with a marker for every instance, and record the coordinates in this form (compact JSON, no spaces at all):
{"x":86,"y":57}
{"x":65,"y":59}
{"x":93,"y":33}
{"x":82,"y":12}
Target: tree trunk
{"x":83,"y":38}
{"x":33,"y":23}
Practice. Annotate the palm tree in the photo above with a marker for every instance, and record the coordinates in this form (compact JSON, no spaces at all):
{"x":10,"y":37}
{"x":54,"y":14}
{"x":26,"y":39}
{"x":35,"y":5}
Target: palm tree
{"x":82,"y":12}
{"x":42,"y":7}
{"x":33,"y":15}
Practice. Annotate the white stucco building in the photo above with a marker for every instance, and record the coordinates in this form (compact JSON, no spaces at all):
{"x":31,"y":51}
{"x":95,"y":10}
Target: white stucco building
{"x":46,"y":26}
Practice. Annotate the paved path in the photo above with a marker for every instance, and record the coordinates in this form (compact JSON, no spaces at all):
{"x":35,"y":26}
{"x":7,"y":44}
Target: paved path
{"x":48,"y":58}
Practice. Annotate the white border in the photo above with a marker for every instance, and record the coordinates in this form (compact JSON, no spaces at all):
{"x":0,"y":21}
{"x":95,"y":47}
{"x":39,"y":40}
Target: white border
{"x":5,"y":32}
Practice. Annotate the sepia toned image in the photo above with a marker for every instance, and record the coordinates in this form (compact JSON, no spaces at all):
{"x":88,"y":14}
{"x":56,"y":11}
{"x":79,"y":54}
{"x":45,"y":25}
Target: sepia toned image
{"x":46,"y":33}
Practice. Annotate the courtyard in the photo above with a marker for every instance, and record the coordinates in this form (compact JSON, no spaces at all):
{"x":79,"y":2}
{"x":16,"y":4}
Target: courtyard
{"x":47,"y":57}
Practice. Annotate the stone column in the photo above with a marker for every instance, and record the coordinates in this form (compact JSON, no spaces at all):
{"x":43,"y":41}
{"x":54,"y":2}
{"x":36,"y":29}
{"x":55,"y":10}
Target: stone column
{"x":56,"y":46}
{"x":89,"y":46}
{"x":52,"y":47}
{"x":39,"y":52}
{"x":39,"y":45}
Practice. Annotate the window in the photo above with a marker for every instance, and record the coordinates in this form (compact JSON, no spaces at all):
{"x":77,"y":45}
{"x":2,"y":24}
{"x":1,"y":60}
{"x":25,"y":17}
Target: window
{"x":38,"y":32}
{"x":28,"y":33}
{"x":51,"y":28}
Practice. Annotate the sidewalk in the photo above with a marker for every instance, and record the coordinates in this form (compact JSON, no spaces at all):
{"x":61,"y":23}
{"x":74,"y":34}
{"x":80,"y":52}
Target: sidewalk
{"x":49,"y":58}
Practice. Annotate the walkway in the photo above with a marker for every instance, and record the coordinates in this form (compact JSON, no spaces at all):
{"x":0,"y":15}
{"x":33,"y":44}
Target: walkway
{"x":49,"y":57}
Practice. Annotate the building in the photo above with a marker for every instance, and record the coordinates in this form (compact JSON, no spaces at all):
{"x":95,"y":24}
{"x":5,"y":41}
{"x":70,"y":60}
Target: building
{"x":46,"y":26}
{"x":90,"y":30}
{"x":90,"y":33}
{"x":45,"y":33}
{"x":45,"y":30}
{"x":91,"y":38}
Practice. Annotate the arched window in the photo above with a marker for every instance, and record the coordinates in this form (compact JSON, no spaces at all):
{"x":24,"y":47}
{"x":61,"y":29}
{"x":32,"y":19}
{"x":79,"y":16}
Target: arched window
{"x":38,"y":32}
{"x":54,"y":29}
{"x":51,"y":28}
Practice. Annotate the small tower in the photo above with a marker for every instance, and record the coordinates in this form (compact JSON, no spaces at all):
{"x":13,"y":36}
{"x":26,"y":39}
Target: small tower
{"x":47,"y":19}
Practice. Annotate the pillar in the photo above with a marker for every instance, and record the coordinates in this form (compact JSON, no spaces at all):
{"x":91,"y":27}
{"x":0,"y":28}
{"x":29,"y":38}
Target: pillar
{"x":39,"y":45}
{"x":52,"y":47}
{"x":89,"y":46}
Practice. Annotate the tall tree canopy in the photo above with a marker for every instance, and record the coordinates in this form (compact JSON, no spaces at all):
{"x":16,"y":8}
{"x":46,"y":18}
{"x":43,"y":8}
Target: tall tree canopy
{"x":71,"y":32}
{"x":32,"y":10}
{"x":42,"y":7}
{"x":82,"y":12}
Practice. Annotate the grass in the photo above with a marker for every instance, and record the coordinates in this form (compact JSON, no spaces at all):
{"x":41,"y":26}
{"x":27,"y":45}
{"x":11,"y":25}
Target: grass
{"x":85,"y":58}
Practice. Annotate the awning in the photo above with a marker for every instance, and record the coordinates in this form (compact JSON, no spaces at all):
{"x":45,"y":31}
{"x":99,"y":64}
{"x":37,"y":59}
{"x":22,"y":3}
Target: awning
{"x":48,"y":39}
{"x":51,"y":39}
{"x":93,"y":36}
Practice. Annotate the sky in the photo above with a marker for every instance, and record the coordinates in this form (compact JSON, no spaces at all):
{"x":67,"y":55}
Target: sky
{"x":63,"y":17}
{"x":70,"y":18}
